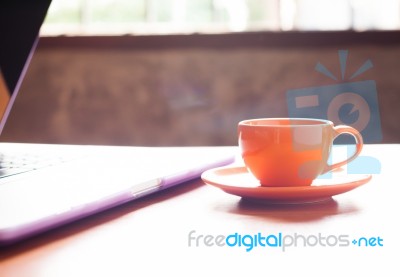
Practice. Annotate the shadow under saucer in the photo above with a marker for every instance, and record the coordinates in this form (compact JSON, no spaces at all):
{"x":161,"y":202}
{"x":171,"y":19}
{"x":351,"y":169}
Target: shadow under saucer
{"x":312,"y":211}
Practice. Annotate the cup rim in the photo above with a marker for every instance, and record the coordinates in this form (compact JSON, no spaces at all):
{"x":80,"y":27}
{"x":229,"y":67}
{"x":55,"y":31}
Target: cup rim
{"x":263,"y":122}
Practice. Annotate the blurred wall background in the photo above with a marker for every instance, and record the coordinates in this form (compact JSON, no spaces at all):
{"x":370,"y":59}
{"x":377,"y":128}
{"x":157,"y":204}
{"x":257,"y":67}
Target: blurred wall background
{"x":187,"y":89}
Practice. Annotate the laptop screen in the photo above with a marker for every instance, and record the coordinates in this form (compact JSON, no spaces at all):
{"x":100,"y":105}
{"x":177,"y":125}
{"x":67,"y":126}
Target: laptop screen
{"x":20,"y":22}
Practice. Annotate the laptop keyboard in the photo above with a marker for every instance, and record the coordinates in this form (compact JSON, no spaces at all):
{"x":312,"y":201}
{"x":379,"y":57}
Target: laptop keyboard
{"x":11,"y":164}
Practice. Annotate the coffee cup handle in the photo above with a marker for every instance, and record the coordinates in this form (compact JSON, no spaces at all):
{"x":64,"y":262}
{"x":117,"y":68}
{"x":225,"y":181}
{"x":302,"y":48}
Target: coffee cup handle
{"x":344,"y":129}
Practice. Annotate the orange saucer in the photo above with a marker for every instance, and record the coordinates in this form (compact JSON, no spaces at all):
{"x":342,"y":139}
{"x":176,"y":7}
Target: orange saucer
{"x":238,"y":181}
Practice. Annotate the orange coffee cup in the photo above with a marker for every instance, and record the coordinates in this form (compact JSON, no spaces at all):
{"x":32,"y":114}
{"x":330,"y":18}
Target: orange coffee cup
{"x":291,"y":151}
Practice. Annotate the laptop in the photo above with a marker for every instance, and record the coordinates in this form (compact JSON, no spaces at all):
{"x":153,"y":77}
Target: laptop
{"x":43,"y":186}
